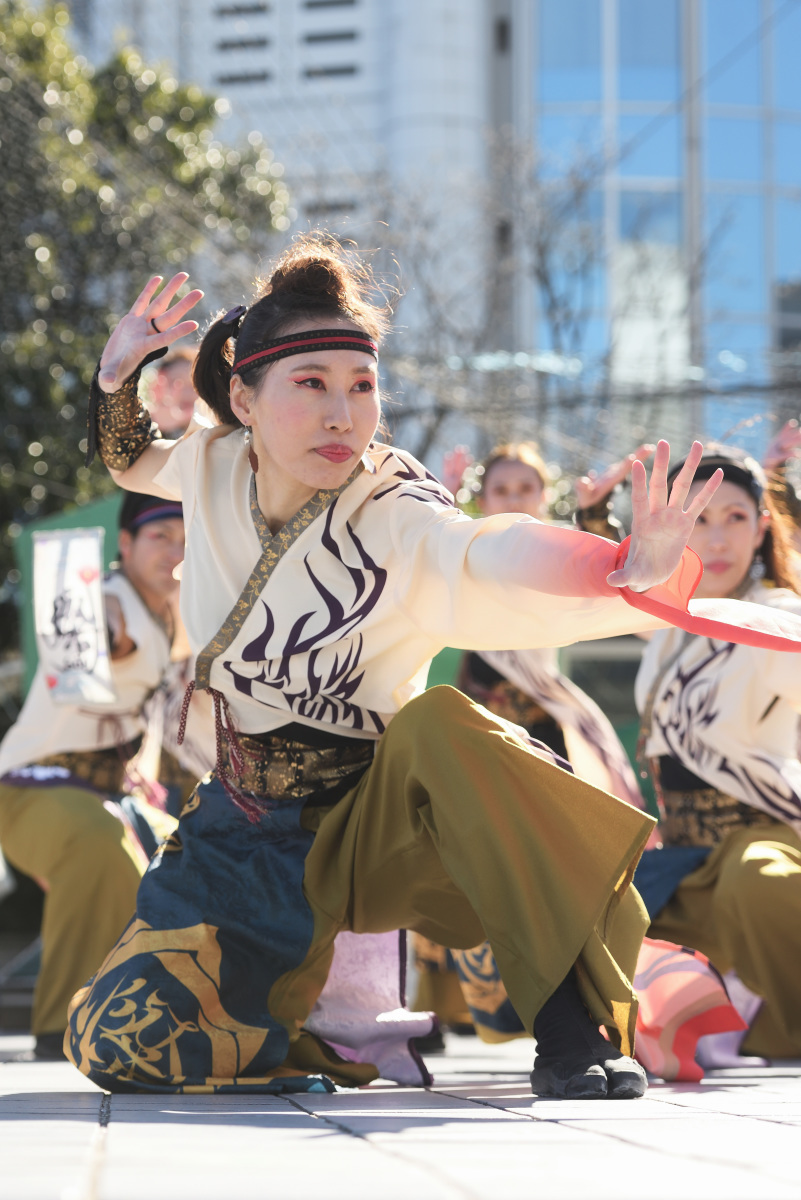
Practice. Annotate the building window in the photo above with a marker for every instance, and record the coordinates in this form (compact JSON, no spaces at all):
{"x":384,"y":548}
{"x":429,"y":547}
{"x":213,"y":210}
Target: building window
{"x":345,"y":35}
{"x":328,"y":72}
{"x":244,"y":44}
{"x":503,"y":237}
{"x":733,"y":149}
{"x":245,"y":77}
{"x":569,"y":142}
{"x":787,"y":308}
{"x":787,"y":151}
{"x":731,"y":33}
{"x":240,"y":10}
{"x":648,"y":49}
{"x":735,"y":268}
{"x":503,"y":36}
{"x":785,"y":36}
{"x":570,"y":50}
{"x":649,"y":146}
{"x":650,"y":216}
{"x":787,"y":232}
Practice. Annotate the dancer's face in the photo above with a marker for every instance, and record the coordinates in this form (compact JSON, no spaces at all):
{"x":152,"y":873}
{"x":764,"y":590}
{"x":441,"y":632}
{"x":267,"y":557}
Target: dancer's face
{"x":174,"y":398}
{"x":312,"y":415}
{"x":726,"y":537}
{"x":149,"y":556}
{"x":511,"y":486}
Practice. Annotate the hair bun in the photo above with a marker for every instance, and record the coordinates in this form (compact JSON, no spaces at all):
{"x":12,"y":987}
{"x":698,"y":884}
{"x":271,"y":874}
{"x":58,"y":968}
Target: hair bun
{"x":315,"y":272}
{"x":316,"y":277}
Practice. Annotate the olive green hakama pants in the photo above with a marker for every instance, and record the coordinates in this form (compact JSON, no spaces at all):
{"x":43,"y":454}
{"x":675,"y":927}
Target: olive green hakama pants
{"x":90,"y":869}
{"x":742,"y":909}
{"x":462,"y":831}
{"x":461,"y":828}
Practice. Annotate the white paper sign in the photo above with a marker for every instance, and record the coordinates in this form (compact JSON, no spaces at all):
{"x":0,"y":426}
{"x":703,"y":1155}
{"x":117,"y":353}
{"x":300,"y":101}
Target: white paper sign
{"x":69,"y":615}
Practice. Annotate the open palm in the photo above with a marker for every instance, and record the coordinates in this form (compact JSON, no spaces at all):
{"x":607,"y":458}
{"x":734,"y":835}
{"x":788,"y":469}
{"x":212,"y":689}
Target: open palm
{"x":151,"y":324}
{"x":661,"y":526}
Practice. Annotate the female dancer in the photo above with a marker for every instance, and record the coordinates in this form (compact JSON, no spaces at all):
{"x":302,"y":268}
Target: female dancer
{"x":64,"y":769}
{"x":323,"y":570}
{"x":721,"y":728}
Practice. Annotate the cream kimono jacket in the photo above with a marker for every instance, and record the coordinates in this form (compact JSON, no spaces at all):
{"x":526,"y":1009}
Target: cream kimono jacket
{"x":334,"y":619}
{"x":729,"y":713}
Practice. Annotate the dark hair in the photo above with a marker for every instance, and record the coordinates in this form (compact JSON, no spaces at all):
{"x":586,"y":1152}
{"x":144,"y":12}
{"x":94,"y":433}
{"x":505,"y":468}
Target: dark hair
{"x":137,"y":509}
{"x":778,"y":551}
{"x":314,"y":279}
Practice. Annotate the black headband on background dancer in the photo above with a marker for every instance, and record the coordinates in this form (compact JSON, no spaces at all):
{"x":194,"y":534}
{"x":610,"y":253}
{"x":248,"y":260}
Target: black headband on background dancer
{"x":737,"y":468}
{"x":139,"y":509}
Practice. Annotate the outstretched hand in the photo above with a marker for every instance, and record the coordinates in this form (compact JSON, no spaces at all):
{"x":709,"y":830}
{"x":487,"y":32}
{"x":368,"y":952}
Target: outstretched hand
{"x":661,"y":526}
{"x":785,"y":445}
{"x":150,"y":325}
{"x":454,"y":464}
{"x":592,"y":488}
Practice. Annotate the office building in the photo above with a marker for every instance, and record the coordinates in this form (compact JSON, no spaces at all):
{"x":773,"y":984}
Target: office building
{"x":679,"y":265}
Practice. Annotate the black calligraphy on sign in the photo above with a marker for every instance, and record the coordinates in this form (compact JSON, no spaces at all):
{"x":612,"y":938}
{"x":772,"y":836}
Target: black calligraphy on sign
{"x":74,"y":644}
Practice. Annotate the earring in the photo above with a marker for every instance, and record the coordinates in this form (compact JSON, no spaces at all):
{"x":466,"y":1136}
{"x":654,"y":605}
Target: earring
{"x":757,"y":569}
{"x":252,"y":456}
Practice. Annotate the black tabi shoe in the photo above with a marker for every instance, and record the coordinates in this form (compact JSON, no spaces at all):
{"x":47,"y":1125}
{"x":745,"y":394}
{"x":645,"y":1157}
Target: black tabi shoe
{"x":430,"y":1043}
{"x":574,"y":1061}
{"x":49,"y":1047}
{"x":626,"y":1079}
{"x":571,"y":1080}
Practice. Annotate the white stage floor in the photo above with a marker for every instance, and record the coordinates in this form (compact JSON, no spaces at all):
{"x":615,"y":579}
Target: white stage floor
{"x":477,"y":1134}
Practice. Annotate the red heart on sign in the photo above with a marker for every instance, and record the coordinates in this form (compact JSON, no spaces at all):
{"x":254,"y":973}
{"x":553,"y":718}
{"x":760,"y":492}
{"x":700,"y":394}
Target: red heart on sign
{"x":51,"y":680}
{"x":88,"y":574}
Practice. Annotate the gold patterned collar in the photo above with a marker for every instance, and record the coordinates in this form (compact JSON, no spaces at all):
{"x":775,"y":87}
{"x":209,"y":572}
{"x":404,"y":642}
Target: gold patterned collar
{"x":273,"y":548}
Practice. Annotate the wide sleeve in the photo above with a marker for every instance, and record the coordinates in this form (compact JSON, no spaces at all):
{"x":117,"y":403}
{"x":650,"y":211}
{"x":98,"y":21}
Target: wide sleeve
{"x":510,"y":582}
{"x":507,"y":582}
{"x":177,"y":478}
{"x":783,"y":678}
{"x":779,"y":671}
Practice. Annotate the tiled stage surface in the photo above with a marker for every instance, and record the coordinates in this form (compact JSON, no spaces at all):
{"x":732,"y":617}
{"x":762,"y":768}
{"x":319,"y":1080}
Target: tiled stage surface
{"x":477,"y":1134}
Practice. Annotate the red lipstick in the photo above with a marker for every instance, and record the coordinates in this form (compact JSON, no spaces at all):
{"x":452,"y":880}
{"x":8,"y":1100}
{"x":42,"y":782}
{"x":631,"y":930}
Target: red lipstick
{"x":335,"y":453}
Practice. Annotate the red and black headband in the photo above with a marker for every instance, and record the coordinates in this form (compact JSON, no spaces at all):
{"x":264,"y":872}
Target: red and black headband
{"x":308,"y":340}
{"x":299,"y":343}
